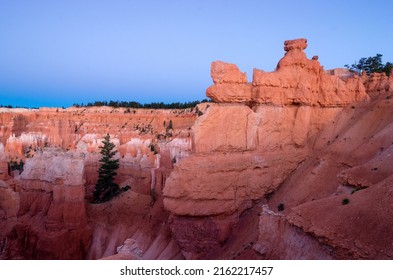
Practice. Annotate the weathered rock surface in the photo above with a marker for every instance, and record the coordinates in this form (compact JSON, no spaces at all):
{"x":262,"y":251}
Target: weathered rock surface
{"x":233,"y":128}
{"x":350,"y":164}
{"x":3,"y":163}
{"x":360,"y":229}
{"x":297,"y":44}
{"x":210,"y":185}
{"x":378,"y":83}
{"x":51,"y":218}
{"x":278,"y":239}
{"x":297,"y":80}
{"x":131,"y":216}
{"x":23,"y":131}
{"x":227,"y":73}
{"x":290,"y":139}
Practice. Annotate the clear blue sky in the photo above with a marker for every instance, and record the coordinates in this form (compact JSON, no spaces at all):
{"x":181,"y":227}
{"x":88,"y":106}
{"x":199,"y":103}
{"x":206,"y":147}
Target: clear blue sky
{"x":56,"y":53}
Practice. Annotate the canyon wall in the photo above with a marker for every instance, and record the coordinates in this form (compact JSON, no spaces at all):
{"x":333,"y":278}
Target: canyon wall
{"x":48,"y":166}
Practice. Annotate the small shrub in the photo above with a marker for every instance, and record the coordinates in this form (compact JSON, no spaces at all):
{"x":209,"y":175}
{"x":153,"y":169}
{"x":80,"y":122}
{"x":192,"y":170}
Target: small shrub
{"x":281,"y":207}
{"x":14,"y":165}
{"x":153,"y":148}
{"x":345,"y":201}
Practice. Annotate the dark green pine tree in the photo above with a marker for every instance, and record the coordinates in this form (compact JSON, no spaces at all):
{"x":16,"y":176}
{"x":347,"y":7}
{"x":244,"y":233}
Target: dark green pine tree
{"x":106,"y":188}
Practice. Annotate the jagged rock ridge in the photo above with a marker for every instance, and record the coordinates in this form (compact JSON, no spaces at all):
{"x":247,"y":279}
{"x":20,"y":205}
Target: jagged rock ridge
{"x":297,"y":80}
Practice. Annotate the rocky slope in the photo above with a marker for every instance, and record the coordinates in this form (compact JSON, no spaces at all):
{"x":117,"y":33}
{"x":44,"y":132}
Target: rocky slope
{"x":292,"y":165}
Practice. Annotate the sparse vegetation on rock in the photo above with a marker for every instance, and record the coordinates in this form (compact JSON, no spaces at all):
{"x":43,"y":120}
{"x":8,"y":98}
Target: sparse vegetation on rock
{"x":371,"y":65}
{"x":106,"y":188}
{"x":15,"y":165}
{"x":345,"y":201}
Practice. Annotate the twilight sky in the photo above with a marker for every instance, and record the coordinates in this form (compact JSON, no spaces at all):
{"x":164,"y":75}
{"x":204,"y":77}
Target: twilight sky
{"x":56,"y":53}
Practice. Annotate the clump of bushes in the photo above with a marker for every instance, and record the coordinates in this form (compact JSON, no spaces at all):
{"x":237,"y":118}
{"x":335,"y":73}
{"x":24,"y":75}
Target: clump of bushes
{"x":14,"y":165}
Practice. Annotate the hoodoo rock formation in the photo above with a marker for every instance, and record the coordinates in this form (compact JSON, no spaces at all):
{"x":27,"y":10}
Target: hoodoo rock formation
{"x":293,"y":165}
{"x":297,"y":80}
{"x":297,"y":141}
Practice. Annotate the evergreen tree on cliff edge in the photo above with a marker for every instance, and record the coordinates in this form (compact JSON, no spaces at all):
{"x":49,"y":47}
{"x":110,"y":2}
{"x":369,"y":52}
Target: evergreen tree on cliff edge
{"x":106,"y":188}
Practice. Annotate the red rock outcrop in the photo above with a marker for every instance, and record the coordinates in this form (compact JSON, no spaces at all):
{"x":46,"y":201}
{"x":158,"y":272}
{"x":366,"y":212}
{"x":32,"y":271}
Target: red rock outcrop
{"x":230,"y":85}
{"x":296,"y":80}
{"x":133,"y":216}
{"x":297,"y":44}
{"x":278,"y":239}
{"x":51,"y":218}
{"x":3,"y":163}
{"x":227,"y":73}
{"x":9,"y":205}
{"x":294,"y":144}
{"x":234,"y":127}
{"x":218,"y":184}
{"x":378,"y":83}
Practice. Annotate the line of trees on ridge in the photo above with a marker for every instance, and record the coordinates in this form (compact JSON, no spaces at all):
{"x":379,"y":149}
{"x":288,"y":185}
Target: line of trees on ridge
{"x":137,"y":105}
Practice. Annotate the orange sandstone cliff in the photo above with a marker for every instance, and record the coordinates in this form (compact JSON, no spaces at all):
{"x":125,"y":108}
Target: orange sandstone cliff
{"x":293,"y":165}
